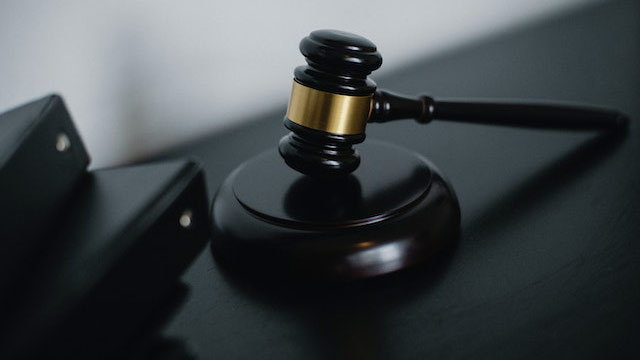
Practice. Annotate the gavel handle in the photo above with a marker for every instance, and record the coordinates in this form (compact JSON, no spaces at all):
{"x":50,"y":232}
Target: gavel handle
{"x":388,"y":106}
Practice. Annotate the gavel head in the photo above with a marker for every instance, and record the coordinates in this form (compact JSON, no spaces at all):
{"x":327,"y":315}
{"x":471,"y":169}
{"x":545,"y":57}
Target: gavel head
{"x":330,"y":103}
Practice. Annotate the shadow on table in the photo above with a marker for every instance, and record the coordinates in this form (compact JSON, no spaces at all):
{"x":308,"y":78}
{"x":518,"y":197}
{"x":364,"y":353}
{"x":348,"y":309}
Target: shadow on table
{"x":345,"y":317}
{"x":548,"y":181}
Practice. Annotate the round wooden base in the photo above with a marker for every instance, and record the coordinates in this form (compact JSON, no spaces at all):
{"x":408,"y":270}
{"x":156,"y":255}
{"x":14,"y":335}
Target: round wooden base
{"x":394,"y":211}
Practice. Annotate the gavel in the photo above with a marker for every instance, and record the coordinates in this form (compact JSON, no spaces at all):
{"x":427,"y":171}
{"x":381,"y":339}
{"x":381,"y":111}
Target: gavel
{"x":323,"y":213}
{"x":333,"y":99}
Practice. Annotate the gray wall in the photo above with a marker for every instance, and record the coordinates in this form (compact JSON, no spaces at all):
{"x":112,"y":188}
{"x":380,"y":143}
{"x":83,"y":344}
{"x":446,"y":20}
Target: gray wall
{"x":140,"y":76}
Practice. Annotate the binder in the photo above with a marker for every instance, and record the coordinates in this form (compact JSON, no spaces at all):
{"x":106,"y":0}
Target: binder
{"x":116,"y":254}
{"x":42,"y":158}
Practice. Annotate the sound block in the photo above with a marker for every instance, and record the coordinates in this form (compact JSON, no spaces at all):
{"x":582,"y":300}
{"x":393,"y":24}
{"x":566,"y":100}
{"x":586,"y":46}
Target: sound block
{"x":396,"y":210}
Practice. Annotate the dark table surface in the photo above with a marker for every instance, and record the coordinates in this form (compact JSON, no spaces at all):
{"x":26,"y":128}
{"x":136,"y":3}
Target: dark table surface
{"x":548,"y":263}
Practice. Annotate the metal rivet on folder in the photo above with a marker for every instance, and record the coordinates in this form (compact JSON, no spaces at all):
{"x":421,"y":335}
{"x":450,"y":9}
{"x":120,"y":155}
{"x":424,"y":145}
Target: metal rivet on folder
{"x":186,"y":218}
{"x":62,"y":142}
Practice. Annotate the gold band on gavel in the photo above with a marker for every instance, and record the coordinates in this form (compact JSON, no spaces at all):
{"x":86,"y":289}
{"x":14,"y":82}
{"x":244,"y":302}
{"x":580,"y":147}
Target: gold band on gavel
{"x":328,"y":112}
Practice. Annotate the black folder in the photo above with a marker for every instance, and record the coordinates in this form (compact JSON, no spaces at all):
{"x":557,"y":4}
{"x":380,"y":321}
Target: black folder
{"x":116,"y":253}
{"x":41,"y":160}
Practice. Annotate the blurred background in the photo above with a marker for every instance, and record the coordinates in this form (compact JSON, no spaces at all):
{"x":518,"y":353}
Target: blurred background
{"x":142,"y":76}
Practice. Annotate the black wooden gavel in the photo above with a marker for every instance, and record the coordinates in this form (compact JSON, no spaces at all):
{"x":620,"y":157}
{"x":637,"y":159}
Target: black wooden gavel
{"x":333,"y":99}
